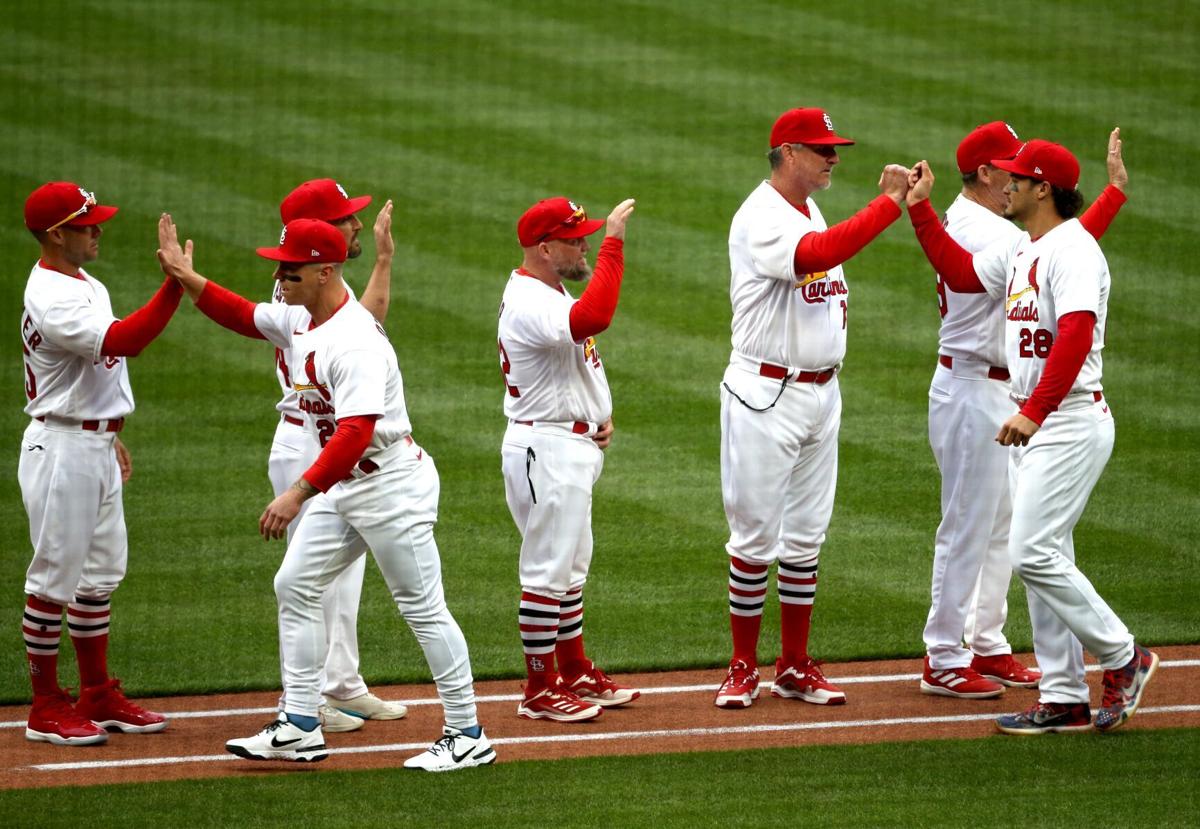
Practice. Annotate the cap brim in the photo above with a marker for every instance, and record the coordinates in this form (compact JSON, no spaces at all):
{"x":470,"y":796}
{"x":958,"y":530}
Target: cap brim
{"x":585,"y":228}
{"x":1009,"y":165}
{"x":824,"y":140}
{"x":357,"y":204}
{"x":98,"y":214}
{"x":274,"y":254}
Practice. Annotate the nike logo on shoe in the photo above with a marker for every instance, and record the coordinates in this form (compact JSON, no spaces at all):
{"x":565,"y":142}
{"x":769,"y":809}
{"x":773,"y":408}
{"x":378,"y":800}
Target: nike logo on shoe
{"x":277,"y":743}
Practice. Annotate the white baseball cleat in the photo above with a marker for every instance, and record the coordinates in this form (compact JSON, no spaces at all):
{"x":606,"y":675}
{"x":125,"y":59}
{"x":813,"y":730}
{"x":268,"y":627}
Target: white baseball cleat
{"x":281,"y":740}
{"x":335,"y":721}
{"x":454,"y":751}
{"x":370,"y":707}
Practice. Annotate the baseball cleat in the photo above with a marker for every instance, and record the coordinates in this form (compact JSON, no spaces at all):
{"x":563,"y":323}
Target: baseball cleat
{"x":558,"y":704}
{"x":1123,"y":689}
{"x":53,"y":719}
{"x":336,"y":721}
{"x":740,"y":688}
{"x":1006,"y":670}
{"x":593,"y":685}
{"x":455,"y":750}
{"x":107,"y":706}
{"x":370,"y":707}
{"x":963,"y":683}
{"x":1047,"y":718}
{"x":805,"y":681}
{"x":281,"y":740}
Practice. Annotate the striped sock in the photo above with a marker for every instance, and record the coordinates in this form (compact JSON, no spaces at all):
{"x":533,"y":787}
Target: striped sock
{"x":42,"y":627}
{"x":538,"y":618}
{"x":797,"y":587}
{"x":747,"y":592}
{"x":87,"y":620}
{"x":569,"y":647}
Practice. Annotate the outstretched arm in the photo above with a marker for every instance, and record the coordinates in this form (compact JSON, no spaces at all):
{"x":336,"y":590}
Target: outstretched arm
{"x":1103,"y":210}
{"x":127,"y":337}
{"x":947,"y":257}
{"x":594,"y":311}
{"x":822,"y":250}
{"x":377,"y":295}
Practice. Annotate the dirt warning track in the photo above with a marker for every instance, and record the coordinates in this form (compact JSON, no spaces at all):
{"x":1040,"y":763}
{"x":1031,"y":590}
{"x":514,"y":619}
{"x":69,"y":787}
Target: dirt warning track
{"x":674,"y":714}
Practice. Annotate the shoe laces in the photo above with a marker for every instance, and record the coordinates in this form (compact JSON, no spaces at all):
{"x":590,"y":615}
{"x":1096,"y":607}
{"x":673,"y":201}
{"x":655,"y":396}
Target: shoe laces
{"x":813,"y":669}
{"x":1113,"y":690}
{"x":444,"y":744}
{"x":274,"y":726}
{"x":740,"y":672}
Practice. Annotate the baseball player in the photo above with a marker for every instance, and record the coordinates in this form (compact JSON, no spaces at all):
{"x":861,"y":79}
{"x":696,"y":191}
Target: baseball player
{"x":968,"y":401}
{"x":373,"y":487}
{"x":559,"y":414}
{"x":780,"y":402}
{"x":73,"y":466}
{"x":1054,"y":281}
{"x":347,"y":700}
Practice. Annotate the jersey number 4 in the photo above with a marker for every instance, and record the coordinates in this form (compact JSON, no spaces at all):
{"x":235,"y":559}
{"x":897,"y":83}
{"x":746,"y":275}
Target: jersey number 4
{"x":1035,"y":342}
{"x":505,"y":368}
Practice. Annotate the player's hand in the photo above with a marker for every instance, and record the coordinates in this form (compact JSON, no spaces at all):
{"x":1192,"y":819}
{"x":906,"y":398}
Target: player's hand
{"x":616,"y":220}
{"x":385,"y":247}
{"x":920,"y":182}
{"x":175,"y":260}
{"x":124,"y":460}
{"x":1017,"y":431}
{"x":279,"y":513}
{"x":893,"y":182}
{"x":604,"y":437}
{"x":1117,"y":176}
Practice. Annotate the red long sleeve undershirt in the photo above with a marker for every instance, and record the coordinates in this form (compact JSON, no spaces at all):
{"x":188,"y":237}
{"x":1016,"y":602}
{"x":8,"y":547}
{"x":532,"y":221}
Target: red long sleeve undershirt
{"x":1066,"y":358}
{"x":594,"y":311}
{"x":822,"y":250}
{"x":127,"y":337}
{"x":350,"y":439}
{"x":226,"y":308}
{"x":954,"y":263}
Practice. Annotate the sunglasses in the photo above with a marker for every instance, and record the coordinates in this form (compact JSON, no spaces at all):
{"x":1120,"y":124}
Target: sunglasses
{"x":823,"y":150}
{"x":89,"y":201}
{"x":580,"y":215}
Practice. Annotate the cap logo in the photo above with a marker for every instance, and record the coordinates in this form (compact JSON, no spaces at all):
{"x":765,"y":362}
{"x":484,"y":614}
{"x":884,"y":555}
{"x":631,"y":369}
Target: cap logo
{"x":283,"y":235}
{"x":828,"y":121}
{"x":1014,"y":132}
{"x":341,"y":190}
{"x":1037,"y":169}
{"x":314,"y":252}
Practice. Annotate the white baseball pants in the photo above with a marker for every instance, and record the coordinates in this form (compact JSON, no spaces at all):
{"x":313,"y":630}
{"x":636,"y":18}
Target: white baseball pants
{"x":391,"y":512}
{"x":293,"y":451}
{"x":71,"y":486}
{"x":971,"y":570}
{"x":1051,"y":480}
{"x":778,"y":467}
{"x":549,"y":473}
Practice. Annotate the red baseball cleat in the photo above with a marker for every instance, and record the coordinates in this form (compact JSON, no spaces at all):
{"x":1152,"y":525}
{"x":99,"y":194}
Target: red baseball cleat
{"x":593,"y":685}
{"x":558,"y":704}
{"x":1006,"y":670}
{"x":964,"y":683}
{"x":740,"y":687}
{"x":107,"y":707}
{"x":53,"y":719}
{"x":805,"y":681}
{"x":1123,"y":689}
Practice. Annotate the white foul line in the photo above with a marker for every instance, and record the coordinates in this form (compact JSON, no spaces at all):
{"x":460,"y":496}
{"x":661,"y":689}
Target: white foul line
{"x":585,"y":737}
{"x":669,"y":689}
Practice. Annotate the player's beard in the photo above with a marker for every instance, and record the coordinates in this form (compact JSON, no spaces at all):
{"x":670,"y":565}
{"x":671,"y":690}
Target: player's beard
{"x":575,"y":272}
{"x":354,"y":249}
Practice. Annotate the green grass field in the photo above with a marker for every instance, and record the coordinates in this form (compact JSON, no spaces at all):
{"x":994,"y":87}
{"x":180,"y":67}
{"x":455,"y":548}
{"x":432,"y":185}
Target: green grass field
{"x":465,"y":113}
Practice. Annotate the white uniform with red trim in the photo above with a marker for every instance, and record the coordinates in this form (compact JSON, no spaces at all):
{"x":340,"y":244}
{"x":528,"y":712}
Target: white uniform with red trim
{"x":346,"y":367}
{"x":778,"y":435}
{"x":293,"y":451}
{"x":68,"y":472}
{"x":556,"y":399}
{"x":968,"y":402}
{"x":1051,"y":478}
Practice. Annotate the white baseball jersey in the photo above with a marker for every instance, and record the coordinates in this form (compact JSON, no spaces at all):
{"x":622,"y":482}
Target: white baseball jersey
{"x":345,"y":367}
{"x":289,"y":403}
{"x":1042,"y":280}
{"x":62,"y":331}
{"x":781,"y":317}
{"x":973,"y":324}
{"x":549,"y":376}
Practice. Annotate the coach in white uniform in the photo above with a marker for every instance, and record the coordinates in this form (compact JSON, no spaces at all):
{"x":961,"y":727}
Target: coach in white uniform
{"x":559,"y":411}
{"x":347,"y":700}
{"x":780,"y":403}
{"x":1054,"y":281}
{"x":968,"y":401}
{"x":372,"y":487}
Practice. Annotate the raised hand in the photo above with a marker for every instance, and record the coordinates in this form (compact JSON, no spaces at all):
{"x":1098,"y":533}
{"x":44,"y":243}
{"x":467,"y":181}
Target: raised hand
{"x":1117,"y":176}
{"x":176,"y":261}
{"x":893,"y":182}
{"x":920,"y":183}
{"x":616,"y":220}
{"x":384,"y":245}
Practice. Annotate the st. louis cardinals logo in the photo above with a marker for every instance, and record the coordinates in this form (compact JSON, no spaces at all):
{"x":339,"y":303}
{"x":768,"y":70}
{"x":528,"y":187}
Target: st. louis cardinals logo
{"x":313,"y":384}
{"x":814,"y":288}
{"x":590,"y":353}
{"x":1015,"y":308}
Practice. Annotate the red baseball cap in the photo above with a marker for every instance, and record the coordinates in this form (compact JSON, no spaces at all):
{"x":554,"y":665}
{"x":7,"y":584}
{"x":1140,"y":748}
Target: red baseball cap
{"x":805,"y":126}
{"x":61,"y":203}
{"x":306,"y":241}
{"x":556,"y":218}
{"x":985,"y":142}
{"x":321,"y":198}
{"x":1044,"y":161}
